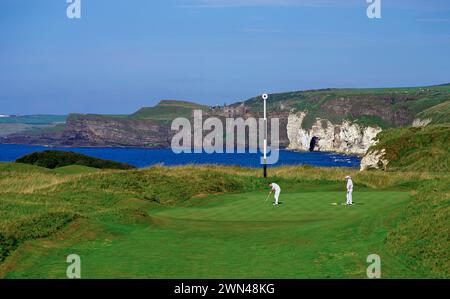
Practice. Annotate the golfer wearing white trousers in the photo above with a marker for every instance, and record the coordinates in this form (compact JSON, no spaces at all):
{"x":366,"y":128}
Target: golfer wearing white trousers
{"x":275,"y":188}
{"x":349,"y":190}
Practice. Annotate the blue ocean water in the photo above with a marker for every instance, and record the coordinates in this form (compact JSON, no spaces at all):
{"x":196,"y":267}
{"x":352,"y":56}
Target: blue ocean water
{"x":142,"y":157}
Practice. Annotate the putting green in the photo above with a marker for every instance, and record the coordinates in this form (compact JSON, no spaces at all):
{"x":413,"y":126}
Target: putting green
{"x":231,"y":236}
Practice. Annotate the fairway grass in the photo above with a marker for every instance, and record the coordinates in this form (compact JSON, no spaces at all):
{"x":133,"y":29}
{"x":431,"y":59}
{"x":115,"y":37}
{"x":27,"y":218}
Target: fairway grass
{"x":228,"y":236}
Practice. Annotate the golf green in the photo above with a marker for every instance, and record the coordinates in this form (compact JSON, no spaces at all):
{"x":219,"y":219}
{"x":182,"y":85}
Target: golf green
{"x":230,"y":236}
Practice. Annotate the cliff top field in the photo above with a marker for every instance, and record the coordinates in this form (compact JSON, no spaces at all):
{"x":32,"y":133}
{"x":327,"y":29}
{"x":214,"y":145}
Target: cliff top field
{"x":384,"y":107}
{"x":30,"y":123}
{"x":165,"y":110}
{"x":210,"y":221}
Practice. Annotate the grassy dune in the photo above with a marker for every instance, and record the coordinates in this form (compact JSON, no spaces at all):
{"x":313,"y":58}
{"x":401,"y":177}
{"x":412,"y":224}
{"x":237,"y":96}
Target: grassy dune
{"x":210,"y":221}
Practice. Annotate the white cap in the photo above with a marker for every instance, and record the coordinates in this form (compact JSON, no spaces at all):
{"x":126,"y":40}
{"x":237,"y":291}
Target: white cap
{"x":347,"y":177}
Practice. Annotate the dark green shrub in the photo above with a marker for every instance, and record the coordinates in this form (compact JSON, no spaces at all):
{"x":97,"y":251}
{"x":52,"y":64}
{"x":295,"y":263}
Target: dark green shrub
{"x":55,"y":159}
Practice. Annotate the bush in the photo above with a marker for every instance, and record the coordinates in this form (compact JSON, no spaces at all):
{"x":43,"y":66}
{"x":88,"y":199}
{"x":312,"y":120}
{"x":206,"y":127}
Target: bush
{"x":7,"y":245}
{"x":56,"y":159}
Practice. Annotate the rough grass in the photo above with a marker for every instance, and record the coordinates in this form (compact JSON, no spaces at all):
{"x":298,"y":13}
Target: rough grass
{"x":75,"y":169}
{"x":423,"y":235}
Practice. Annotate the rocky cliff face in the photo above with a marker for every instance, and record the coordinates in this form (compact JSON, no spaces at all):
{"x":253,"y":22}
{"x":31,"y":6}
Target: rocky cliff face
{"x":95,"y":130}
{"x":374,"y":160}
{"x":92,"y":130}
{"x":346,"y":137}
{"x":100,"y":131}
{"x":421,"y":122}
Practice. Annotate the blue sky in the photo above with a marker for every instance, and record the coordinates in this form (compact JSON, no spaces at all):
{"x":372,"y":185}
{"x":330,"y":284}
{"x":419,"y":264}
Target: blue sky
{"x":122,"y":55}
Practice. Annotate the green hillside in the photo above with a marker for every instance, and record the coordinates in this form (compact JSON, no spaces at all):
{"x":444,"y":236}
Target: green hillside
{"x":438,"y":114}
{"x":167,"y":110}
{"x":164,"y":111}
{"x":417,"y":149}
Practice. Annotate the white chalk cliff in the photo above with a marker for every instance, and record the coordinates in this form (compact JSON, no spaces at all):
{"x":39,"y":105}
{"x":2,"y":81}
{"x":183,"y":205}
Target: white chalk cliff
{"x":374,"y":160}
{"x":346,"y":137}
{"x":421,"y":122}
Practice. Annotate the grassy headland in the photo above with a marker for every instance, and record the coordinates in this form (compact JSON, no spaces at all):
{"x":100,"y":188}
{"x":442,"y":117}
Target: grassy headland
{"x":416,"y":149}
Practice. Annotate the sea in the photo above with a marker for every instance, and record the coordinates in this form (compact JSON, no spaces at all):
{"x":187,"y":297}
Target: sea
{"x":144,"y":157}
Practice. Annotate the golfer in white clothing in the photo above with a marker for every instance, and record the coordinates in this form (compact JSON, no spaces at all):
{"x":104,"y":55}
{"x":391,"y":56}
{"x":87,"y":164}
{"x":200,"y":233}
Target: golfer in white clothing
{"x":349,"y":190}
{"x":277,"y":190}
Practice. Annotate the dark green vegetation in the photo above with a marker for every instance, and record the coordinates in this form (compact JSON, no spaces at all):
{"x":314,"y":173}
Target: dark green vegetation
{"x":55,"y":159}
{"x":208,"y":221}
{"x":416,"y":149}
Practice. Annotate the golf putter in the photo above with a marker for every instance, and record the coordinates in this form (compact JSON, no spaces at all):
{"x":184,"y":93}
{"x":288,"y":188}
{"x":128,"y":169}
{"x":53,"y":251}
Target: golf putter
{"x":268,"y":196}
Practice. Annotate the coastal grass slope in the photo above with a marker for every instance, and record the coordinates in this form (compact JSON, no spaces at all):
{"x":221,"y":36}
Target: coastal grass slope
{"x":416,"y":149}
{"x":438,"y":114}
